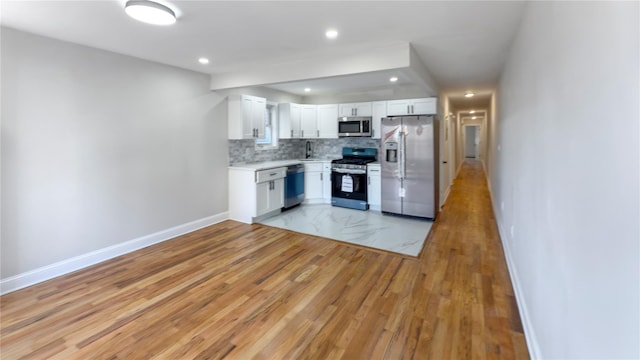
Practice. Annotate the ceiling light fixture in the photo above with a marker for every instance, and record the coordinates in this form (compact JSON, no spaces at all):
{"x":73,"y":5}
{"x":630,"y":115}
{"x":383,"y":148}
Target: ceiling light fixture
{"x":472,"y":112}
{"x":203,"y":61}
{"x":393,"y":79}
{"x":469,"y":94}
{"x":307,"y":89}
{"x":150,"y":12}
{"x":331,"y":34}
{"x":474,"y":117}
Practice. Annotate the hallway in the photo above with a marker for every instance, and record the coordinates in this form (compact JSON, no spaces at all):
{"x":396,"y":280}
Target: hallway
{"x":474,"y":288}
{"x":240,"y":291}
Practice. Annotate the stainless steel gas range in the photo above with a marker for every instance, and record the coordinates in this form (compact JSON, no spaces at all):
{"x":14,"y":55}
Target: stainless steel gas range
{"x":349,"y":177}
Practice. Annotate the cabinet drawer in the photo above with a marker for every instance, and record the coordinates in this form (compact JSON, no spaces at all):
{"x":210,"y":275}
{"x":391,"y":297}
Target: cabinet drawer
{"x":270,"y":174}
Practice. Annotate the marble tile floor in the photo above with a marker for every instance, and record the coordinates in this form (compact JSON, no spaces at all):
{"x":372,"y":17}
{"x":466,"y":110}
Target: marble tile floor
{"x":365,"y":228}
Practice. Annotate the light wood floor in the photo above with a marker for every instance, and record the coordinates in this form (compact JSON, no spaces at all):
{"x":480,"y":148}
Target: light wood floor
{"x":238,"y":291}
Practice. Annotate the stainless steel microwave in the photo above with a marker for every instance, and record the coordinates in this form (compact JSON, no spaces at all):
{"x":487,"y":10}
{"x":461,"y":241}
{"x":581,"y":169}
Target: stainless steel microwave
{"x":354,"y":126}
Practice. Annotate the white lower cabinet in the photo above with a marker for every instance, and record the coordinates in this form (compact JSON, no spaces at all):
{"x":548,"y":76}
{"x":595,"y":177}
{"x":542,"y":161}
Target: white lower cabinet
{"x":374,"y":187}
{"x":313,"y":182}
{"x":255,"y":193}
{"x":326,"y":182}
{"x":269,"y":196}
{"x":317,"y":182}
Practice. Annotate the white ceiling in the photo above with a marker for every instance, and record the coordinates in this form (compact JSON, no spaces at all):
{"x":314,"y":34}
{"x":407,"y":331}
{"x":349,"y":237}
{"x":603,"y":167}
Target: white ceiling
{"x":463,"y":44}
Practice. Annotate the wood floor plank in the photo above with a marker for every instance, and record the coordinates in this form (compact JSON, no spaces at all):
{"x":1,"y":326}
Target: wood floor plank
{"x":238,"y":291}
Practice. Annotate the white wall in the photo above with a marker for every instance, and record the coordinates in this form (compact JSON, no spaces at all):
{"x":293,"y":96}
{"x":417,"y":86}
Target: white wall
{"x":567,"y":174}
{"x":99,"y":149}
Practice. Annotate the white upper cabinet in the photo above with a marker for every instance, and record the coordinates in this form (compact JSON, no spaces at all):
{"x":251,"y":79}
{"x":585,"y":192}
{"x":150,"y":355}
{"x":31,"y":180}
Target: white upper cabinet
{"x":355,"y":109}
{"x":309,"y":122}
{"x":289,"y":116}
{"x":328,"y":121}
{"x":379,"y":112}
{"x":246,"y":116}
{"x":425,"y":106}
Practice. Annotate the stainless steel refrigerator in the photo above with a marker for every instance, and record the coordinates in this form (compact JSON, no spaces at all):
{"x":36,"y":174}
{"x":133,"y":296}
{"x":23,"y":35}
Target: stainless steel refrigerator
{"x":409,"y":160}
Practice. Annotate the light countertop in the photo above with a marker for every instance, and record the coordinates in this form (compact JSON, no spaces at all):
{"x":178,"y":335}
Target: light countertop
{"x":272,"y":164}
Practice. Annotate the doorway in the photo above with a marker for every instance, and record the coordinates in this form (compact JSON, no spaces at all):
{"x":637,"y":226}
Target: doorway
{"x":471,"y":141}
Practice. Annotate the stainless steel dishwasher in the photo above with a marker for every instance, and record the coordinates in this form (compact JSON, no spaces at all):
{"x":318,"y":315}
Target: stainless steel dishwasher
{"x":294,"y":186}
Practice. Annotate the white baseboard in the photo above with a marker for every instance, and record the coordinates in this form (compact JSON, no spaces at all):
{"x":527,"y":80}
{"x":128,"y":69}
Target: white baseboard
{"x":529,"y":333}
{"x":445,"y":195}
{"x":63,"y":267}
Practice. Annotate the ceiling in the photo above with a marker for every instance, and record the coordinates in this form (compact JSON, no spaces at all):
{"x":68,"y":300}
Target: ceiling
{"x":463,"y":45}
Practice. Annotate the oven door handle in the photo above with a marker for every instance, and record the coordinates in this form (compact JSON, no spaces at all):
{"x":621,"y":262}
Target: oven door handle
{"x":346,"y":171}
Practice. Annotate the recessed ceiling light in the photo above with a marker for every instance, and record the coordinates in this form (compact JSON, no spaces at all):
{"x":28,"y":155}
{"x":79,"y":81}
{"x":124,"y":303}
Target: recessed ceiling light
{"x":203,"y":61}
{"x":331,"y":34}
{"x":472,"y":112}
{"x":150,"y":12}
{"x":469,"y":94}
{"x":307,"y":89}
{"x":474,"y":117}
{"x":393,"y":79}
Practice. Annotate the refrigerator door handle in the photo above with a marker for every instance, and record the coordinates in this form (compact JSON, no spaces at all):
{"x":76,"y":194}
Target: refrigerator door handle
{"x":404,"y":155}
{"x":401,"y":154}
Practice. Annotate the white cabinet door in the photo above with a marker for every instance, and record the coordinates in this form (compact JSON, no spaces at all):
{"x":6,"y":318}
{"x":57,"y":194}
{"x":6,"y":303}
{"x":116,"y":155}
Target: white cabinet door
{"x":309,"y":122}
{"x":276,"y":195}
{"x":426,"y":106}
{"x":269,"y":196}
{"x":328,"y":121}
{"x":374,"y":187}
{"x":398,"y":107}
{"x":379,"y":112}
{"x":313,"y":182}
{"x":259,"y":107}
{"x":355,"y":109}
{"x":326,"y":184}
{"x":263,"y":196}
{"x":289,"y":120}
{"x":346,"y":110}
{"x":363,"y":109}
{"x":246,"y":116}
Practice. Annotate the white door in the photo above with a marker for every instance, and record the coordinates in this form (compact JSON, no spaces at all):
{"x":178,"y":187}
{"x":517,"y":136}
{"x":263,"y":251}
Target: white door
{"x":328,"y":121}
{"x":276,"y":195}
{"x":262,"y":197}
{"x":425,"y":106}
{"x":374,"y":187}
{"x":363,"y":109}
{"x":309,"y":121}
{"x":397,"y":107}
{"x":295,"y":117}
{"x":248,"y":129}
{"x":313,"y":186}
{"x":326,"y":186}
{"x":379,"y":112}
{"x":470,"y":141}
{"x":258,"y":113}
{"x":346,"y":110}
